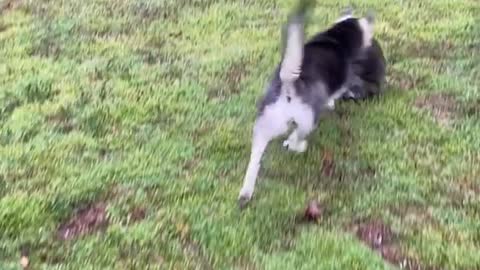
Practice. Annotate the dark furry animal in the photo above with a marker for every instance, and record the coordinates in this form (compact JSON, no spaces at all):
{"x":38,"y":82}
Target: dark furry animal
{"x":309,"y":79}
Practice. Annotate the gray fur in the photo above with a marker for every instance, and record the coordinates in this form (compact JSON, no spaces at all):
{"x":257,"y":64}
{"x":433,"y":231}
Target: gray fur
{"x":307,"y":82}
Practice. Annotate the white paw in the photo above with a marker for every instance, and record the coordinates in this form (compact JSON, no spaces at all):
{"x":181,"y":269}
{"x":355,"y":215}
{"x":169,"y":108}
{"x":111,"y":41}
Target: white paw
{"x":301,"y":146}
{"x":298,"y":147}
{"x":331,"y":104}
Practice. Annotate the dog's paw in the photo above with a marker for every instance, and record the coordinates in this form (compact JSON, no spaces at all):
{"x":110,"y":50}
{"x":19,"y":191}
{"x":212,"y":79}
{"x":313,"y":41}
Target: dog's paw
{"x":330,"y":104}
{"x":244,"y":197}
{"x":298,"y":147}
{"x":286,"y":144}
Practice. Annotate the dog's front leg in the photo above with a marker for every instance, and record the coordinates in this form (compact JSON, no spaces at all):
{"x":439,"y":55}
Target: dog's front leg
{"x":259,"y":144}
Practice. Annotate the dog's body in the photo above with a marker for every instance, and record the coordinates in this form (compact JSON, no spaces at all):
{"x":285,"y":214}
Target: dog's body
{"x":307,"y":82}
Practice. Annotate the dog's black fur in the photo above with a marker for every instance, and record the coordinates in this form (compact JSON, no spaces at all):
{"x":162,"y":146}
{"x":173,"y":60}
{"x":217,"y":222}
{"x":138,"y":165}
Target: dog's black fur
{"x":335,"y":58}
{"x":329,"y":55}
{"x":342,"y":62}
{"x":369,"y":71}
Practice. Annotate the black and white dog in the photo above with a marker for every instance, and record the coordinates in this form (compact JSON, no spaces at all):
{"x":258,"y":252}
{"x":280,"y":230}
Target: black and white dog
{"x":333,"y":64}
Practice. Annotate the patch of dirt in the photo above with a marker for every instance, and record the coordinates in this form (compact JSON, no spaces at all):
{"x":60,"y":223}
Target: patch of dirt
{"x":47,"y":47}
{"x":3,"y":27}
{"x":469,"y":186}
{"x":190,"y":164}
{"x":463,"y":192}
{"x":149,"y":13}
{"x":424,"y":49}
{"x":230,"y":82}
{"x":61,"y":120}
{"x":472,"y":108}
{"x":137,"y":214}
{"x":404,"y":81}
{"x":103,"y":153}
{"x":153,"y":53}
{"x":202,"y":131}
{"x":14,"y":175}
{"x":396,"y":257}
{"x":369,"y":171}
{"x":189,"y":167}
{"x":443,"y":107}
{"x":171,"y":63}
{"x":9,"y":5}
{"x":85,"y":221}
{"x":150,"y":56}
{"x":328,"y":164}
{"x":380,"y":238}
{"x":11,"y":103}
{"x":375,"y":234}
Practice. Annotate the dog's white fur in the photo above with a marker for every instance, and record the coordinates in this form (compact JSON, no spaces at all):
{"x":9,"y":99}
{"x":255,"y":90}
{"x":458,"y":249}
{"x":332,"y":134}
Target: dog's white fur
{"x":275,"y":119}
{"x":272,"y":123}
{"x":367,"y":28}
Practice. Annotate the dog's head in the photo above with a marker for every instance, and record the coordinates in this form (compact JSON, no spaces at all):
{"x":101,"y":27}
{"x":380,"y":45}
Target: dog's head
{"x":365,"y":24}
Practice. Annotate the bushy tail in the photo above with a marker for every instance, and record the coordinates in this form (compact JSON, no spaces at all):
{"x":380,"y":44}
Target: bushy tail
{"x":293,"y":36}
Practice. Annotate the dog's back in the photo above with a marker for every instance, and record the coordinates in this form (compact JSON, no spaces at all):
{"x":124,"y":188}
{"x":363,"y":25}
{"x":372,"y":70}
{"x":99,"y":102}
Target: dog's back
{"x":329,"y":55}
{"x":326,"y":67}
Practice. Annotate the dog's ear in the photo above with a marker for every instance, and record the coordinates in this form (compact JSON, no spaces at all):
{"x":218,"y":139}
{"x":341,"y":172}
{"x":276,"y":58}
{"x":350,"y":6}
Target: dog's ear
{"x":346,"y":13}
{"x":367,"y":26}
{"x":293,"y":36}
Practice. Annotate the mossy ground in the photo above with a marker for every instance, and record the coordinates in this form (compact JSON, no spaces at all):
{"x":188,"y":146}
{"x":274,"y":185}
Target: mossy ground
{"x":149,"y":105}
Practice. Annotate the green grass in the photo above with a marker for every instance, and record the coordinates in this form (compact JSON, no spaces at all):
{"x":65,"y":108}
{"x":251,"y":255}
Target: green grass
{"x":150,"y":104}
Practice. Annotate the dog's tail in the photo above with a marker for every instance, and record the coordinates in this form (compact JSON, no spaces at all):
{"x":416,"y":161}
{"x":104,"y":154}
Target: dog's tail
{"x":293,"y":35}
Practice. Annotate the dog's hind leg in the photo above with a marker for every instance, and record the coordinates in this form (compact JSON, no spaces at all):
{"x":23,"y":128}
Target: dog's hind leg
{"x":297,"y":141}
{"x":269,"y":125}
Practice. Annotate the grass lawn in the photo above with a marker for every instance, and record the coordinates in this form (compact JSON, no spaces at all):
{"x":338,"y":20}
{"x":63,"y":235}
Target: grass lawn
{"x":125,"y":135}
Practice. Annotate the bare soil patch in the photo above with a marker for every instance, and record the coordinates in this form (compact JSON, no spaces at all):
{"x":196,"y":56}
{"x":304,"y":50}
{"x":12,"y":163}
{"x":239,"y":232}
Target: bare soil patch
{"x":137,"y":214}
{"x":8,"y":5}
{"x":404,"y":81}
{"x":380,"y":238}
{"x":443,"y":107}
{"x":62,"y":121}
{"x":85,"y":221}
{"x":231,"y":81}
{"x":328,"y":164}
